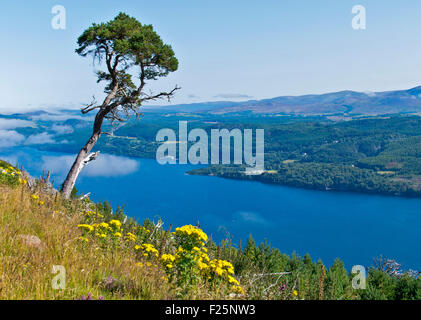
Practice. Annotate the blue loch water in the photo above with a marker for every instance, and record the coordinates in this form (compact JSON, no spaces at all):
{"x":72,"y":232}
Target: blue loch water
{"x":354,"y":227}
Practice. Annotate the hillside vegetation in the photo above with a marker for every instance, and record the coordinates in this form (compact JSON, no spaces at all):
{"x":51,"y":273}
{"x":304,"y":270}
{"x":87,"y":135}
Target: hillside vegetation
{"x":109,"y":256}
{"x":371,"y":155}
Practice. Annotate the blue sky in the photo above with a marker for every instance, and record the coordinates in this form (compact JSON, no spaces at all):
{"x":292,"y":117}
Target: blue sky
{"x":228,"y":50}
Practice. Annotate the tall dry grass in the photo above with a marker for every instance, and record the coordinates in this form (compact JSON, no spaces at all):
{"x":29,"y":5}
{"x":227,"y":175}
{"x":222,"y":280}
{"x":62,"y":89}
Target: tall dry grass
{"x":26,"y":268}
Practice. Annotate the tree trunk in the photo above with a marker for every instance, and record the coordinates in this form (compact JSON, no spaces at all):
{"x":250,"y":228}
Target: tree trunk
{"x":84,"y":156}
{"x":82,"y":159}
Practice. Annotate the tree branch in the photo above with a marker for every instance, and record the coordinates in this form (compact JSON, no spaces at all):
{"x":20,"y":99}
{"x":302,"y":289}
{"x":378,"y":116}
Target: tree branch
{"x":90,"y":106}
{"x":161,"y":95}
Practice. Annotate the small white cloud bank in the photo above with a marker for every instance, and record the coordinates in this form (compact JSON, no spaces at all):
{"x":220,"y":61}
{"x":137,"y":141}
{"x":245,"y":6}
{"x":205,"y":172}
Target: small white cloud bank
{"x":233,"y":96}
{"x":61,"y":129}
{"x":370,"y":94}
{"x":40,"y":138}
{"x":10,"y":138}
{"x":7,"y":124}
{"x":61,"y":116}
{"x":105,"y":165}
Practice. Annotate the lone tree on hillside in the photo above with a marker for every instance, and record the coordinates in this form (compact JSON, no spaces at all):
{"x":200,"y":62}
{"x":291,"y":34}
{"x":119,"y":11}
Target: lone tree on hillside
{"x":125,"y":48}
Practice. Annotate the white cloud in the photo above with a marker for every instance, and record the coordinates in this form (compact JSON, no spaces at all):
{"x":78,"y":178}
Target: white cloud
{"x":233,"y":96}
{"x":105,"y":165}
{"x":10,"y":138}
{"x":61,"y":116}
{"x":13,"y":109}
{"x":6,"y":124}
{"x":370,"y":94}
{"x":61,"y":129}
{"x":40,"y":138}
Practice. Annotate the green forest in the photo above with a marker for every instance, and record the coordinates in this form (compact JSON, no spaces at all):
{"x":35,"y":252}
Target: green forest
{"x":372,"y":154}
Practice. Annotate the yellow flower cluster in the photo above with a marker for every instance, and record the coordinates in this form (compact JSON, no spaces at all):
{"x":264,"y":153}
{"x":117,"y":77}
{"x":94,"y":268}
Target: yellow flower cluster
{"x":11,"y":174}
{"x":201,"y":258}
{"x":144,"y":230}
{"x":93,"y":214}
{"x":130,"y":237}
{"x":86,"y":227}
{"x":231,"y":279}
{"x":189,"y":261}
{"x":103,"y":229}
{"x":220,"y":267}
{"x":115,"y":223}
{"x":36,"y":199}
{"x":192,"y":252}
{"x":9,"y":170}
{"x":237,"y":290}
{"x":224,"y":270}
{"x":147,"y":249}
{"x":168,"y":260}
{"x":192,"y":231}
{"x":83,"y":239}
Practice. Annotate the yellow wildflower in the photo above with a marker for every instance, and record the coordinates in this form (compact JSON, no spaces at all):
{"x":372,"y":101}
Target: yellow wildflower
{"x":87,"y":227}
{"x":167,"y":258}
{"x":116,"y":223}
{"x":84,"y":239}
{"x":104,"y":225}
{"x":193,"y":232}
{"x":237,"y":289}
{"x":233,"y":280}
{"x":130,"y":236}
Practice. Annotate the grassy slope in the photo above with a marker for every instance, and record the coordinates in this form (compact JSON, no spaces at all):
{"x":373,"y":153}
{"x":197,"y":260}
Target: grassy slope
{"x":27,"y":271}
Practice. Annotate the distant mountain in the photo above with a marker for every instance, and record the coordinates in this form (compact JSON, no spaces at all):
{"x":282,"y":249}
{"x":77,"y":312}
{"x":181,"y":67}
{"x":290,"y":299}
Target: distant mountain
{"x":193,"y":107}
{"x":343,"y":103}
{"x":337,"y":103}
